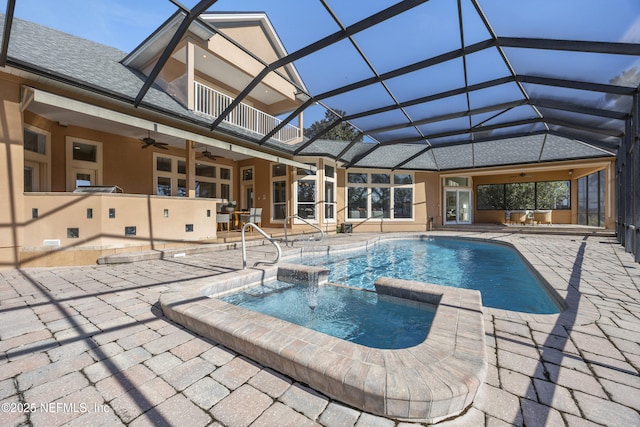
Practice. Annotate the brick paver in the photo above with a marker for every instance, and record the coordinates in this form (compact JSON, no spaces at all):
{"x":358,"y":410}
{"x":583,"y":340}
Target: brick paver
{"x":90,"y":344}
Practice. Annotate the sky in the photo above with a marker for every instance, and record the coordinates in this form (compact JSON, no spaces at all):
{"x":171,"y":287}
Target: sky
{"x":124,"y":24}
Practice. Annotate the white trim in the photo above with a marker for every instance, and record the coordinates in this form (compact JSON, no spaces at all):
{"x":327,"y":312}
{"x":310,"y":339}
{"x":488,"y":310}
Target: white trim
{"x":173,"y":175}
{"x":72,"y":165}
{"x":316,"y":205}
{"x":246,"y":184}
{"x":457,"y":191}
{"x":369,"y":186}
{"x":287,"y":188}
{"x":43,"y":160}
{"x":333,"y":180}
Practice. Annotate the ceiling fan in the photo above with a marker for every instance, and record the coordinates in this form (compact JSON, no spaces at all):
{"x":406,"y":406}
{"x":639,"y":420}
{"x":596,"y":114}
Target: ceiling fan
{"x":209,"y":155}
{"x":150,"y":142}
{"x":522,"y":175}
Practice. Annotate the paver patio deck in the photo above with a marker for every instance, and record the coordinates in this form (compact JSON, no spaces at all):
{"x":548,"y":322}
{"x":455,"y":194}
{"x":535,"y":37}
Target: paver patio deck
{"x":89,"y":346}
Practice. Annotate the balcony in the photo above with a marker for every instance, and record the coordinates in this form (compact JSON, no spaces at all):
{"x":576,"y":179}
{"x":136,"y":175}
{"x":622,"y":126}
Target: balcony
{"x":212,"y":103}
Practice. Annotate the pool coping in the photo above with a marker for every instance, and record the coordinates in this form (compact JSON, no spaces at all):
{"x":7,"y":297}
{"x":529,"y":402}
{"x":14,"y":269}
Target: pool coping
{"x":431,"y":381}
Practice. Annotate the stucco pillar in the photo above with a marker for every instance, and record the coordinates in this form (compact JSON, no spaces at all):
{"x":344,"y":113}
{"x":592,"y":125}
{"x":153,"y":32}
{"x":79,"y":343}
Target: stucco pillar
{"x":191,"y":169}
{"x":191,"y":57}
{"x":12,"y":214}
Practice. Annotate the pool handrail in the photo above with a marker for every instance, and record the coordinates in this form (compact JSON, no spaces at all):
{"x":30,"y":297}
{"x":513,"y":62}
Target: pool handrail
{"x":286,"y":237}
{"x":266,"y":236}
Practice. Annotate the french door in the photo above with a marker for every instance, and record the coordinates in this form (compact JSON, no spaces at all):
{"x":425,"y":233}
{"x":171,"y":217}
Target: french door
{"x":457,"y":205}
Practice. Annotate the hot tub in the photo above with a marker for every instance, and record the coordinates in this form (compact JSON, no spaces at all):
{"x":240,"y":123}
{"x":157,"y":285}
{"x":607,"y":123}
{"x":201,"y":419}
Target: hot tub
{"x":433,"y":380}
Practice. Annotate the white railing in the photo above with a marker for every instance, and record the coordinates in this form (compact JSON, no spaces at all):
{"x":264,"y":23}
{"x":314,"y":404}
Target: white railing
{"x":212,"y":103}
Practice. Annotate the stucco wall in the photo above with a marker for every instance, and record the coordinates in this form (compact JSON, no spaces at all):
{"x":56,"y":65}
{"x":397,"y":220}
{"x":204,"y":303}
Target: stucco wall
{"x":58,"y":212}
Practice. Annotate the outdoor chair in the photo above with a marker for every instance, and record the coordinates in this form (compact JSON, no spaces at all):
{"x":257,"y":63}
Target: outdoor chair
{"x":520,"y":217}
{"x":254,"y":216}
{"x":222,"y":220}
{"x":542,"y":217}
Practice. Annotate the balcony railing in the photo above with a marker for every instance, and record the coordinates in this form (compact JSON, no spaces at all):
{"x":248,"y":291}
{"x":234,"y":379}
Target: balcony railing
{"x":212,"y":103}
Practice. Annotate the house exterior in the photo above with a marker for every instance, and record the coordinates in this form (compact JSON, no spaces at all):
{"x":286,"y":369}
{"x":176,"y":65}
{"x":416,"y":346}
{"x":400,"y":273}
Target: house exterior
{"x":158,"y":174}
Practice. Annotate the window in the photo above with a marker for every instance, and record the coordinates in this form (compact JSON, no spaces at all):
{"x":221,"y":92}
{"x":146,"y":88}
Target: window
{"x":85,"y":152}
{"x":329,"y":193}
{"x":357,"y":203}
{"x":171,"y":180}
{"x":302,"y":172}
{"x":278,"y":192}
{"x":279,"y":200}
{"x":83,"y":162}
{"x":357,"y":178}
{"x":246,"y":190}
{"x":306,"y":202}
{"x":306,"y":193}
{"x":163,"y":164}
{"x":403,"y":202}
{"x":520,"y":195}
{"x":524,"y":195}
{"x":35,"y":142}
{"x":553,"y":195}
{"x":591,"y":198}
{"x":225,"y":173}
{"x":207,"y":181}
{"x":278,"y":170}
{"x":205,"y":170}
{"x":456,"y":182}
{"x":170,"y":174}
{"x":205,"y":189}
{"x":164,"y":186}
{"x":379,"y":195}
{"x":37,"y":158}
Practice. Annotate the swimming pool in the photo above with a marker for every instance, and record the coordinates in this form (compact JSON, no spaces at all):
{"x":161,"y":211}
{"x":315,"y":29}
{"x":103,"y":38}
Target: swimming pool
{"x":434,"y":380}
{"x":362,"y":317}
{"x":496,"y":270}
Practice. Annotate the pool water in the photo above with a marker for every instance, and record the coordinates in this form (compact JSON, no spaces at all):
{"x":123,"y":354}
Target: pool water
{"x":496,"y":270}
{"x":366,"y":318}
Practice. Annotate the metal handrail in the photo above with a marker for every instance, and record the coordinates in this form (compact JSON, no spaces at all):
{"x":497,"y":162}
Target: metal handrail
{"x":286,"y":238}
{"x":273,"y":242}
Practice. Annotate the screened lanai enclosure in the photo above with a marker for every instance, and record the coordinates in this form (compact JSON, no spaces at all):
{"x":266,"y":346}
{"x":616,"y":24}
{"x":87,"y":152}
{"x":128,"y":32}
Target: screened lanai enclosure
{"x":443,"y":85}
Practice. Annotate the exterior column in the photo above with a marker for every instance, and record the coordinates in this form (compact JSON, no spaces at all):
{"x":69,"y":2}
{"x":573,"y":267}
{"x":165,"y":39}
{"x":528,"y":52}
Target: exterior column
{"x":12,"y":215}
{"x":191,"y":168}
{"x":634,"y":194}
{"x":301,"y":125}
{"x":190,"y":63}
